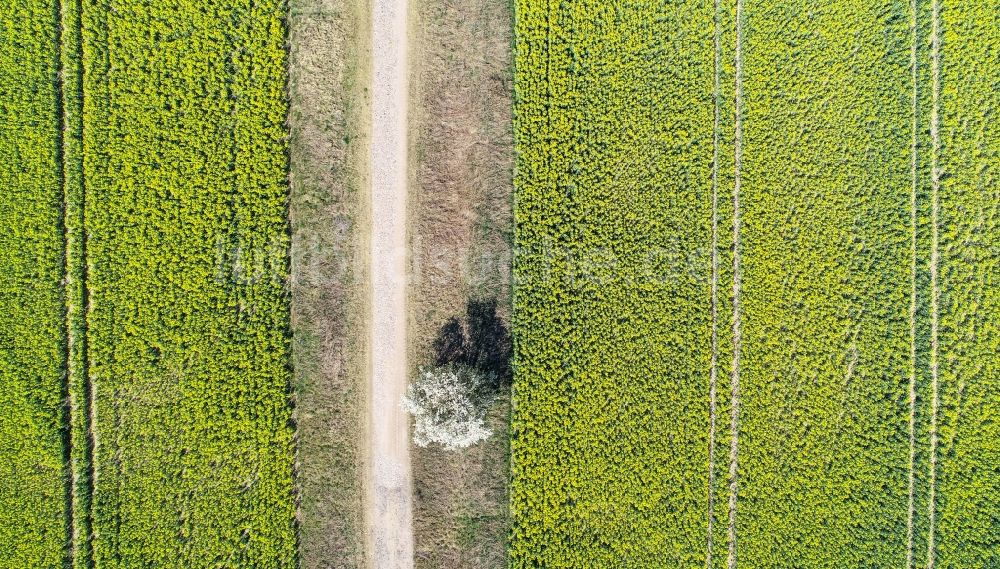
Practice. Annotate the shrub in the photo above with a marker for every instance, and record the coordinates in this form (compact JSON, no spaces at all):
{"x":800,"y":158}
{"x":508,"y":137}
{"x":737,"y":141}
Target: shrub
{"x":449,"y":407}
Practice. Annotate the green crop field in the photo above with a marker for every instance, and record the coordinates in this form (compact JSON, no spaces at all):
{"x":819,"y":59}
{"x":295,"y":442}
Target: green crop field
{"x":614,"y":210}
{"x":145,"y":371}
{"x":966,"y":152}
{"x":826,"y":260}
{"x":753,"y":289}
{"x":32,"y":318}
{"x":755,"y":284}
{"x":184,"y":182}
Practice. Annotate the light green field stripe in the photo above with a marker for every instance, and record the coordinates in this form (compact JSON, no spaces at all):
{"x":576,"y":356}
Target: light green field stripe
{"x":34,"y":530}
{"x":611,"y":419}
{"x":966,"y":504}
{"x":542,"y":300}
{"x":827,"y":237}
{"x":185,"y":163}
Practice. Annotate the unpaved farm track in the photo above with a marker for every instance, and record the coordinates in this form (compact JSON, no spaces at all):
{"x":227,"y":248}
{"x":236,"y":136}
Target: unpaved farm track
{"x":389,"y":490}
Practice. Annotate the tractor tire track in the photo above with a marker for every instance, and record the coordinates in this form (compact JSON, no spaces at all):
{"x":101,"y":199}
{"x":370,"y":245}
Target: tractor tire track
{"x":911,"y":507}
{"x":80,"y":440}
{"x":935,"y":260}
{"x":737,"y":292}
{"x":713,"y":370}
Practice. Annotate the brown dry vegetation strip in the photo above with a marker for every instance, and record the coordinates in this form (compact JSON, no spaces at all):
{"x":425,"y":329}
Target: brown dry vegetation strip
{"x":327,"y":91}
{"x":460,"y":223}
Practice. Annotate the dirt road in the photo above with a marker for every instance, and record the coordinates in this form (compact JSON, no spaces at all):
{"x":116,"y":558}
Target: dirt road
{"x":390,"y":515}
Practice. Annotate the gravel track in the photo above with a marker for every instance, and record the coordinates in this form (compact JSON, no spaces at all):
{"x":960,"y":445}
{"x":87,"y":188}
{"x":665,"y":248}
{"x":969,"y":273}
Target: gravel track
{"x":390,"y":509}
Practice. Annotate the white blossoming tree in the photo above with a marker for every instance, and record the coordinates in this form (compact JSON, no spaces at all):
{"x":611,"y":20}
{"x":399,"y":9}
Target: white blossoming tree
{"x":449,"y":407}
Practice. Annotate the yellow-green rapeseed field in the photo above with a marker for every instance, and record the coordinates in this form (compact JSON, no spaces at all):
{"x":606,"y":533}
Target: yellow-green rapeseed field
{"x":33,"y":505}
{"x":184,"y":173}
{"x":754,"y":284}
{"x":143,"y":298}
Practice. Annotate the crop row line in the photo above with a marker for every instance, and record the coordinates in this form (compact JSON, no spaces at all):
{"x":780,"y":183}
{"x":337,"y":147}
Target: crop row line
{"x":69,"y":473}
{"x":737,"y":290}
{"x":713,"y":368}
{"x":79,"y":438}
{"x":911,"y":507}
{"x":935,"y":258}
